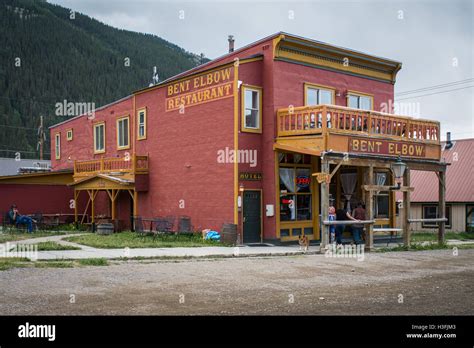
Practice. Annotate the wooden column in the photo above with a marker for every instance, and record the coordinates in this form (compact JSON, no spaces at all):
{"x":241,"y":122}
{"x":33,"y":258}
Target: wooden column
{"x":406,"y":209}
{"x":369,"y":243}
{"x":324,"y":207}
{"x":92,"y":206}
{"x":76,"y":195}
{"x":442,"y":206}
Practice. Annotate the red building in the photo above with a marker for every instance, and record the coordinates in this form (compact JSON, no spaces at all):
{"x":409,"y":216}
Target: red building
{"x":302,"y":117}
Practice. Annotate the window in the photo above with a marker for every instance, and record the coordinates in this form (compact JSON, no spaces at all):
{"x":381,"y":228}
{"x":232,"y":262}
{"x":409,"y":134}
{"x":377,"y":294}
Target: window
{"x":69,"y":135}
{"x":359,"y":101}
{"x":470,"y":218}
{"x":431,"y":212}
{"x":99,"y":137}
{"x":123,"y":134}
{"x":381,"y":201}
{"x":57,"y":143}
{"x":317,"y":95}
{"x":141,"y":119}
{"x":252,"y":109}
{"x":295,"y":194}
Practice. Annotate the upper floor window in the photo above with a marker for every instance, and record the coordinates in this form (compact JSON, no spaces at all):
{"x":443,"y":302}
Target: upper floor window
{"x":57,"y":147}
{"x":317,"y":95}
{"x":359,"y":101}
{"x":99,"y":137}
{"x":123,"y":133}
{"x":141,"y":120}
{"x":69,"y":135}
{"x":251,"y":109}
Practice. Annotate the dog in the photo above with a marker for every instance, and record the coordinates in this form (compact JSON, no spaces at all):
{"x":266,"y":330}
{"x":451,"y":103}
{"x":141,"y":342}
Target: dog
{"x":303,"y":241}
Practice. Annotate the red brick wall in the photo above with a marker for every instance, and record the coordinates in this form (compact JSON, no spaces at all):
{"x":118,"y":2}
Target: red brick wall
{"x":82,"y":145}
{"x":182,"y":150}
{"x":31,"y":198}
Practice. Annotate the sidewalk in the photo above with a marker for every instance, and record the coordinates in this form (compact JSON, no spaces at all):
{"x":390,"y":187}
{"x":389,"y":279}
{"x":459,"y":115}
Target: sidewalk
{"x":87,"y":252}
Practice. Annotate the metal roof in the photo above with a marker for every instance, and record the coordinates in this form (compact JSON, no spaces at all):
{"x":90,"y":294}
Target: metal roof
{"x":459,"y":176}
{"x":11,"y":166}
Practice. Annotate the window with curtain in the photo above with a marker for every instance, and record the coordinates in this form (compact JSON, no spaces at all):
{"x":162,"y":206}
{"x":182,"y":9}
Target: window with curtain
{"x":295,"y":194}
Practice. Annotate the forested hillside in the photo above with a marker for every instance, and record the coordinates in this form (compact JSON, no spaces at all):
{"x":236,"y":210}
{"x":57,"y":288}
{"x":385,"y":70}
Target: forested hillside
{"x":49,"y":57}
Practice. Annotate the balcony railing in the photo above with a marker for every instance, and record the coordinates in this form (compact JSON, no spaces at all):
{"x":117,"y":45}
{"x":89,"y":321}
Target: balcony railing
{"x":321,"y":119}
{"x":124,"y":165}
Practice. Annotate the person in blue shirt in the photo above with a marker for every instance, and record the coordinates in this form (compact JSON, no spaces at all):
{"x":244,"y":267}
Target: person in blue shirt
{"x":17,"y":219}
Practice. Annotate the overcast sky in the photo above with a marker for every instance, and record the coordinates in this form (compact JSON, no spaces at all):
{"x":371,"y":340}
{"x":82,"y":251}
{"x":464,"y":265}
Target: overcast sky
{"x":433,"y":39}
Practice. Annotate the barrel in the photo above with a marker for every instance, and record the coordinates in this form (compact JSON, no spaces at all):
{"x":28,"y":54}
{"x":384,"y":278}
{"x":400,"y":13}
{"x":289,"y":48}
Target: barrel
{"x":229,"y":234}
{"x":105,"y":228}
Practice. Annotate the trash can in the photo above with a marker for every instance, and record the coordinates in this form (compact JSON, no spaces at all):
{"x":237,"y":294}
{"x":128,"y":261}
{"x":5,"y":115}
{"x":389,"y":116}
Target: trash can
{"x":229,"y":234}
{"x":105,"y":228}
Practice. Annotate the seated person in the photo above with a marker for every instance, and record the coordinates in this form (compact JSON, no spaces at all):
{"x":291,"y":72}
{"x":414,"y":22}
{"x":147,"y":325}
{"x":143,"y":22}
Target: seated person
{"x":17,"y":219}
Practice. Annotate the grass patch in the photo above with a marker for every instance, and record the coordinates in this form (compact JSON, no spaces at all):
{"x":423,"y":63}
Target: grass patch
{"x":431,"y":237}
{"x":44,"y":246}
{"x":417,"y":247}
{"x":10,"y":236}
{"x":132,"y":240}
{"x":93,"y":262}
{"x":11,"y":262}
{"x":54,"y":264}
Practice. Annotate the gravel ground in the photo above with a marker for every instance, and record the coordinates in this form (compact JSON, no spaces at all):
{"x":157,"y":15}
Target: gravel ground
{"x":428,"y":282}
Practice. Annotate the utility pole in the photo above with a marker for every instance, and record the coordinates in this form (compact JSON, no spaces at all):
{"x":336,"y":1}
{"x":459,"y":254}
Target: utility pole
{"x":41,"y":137}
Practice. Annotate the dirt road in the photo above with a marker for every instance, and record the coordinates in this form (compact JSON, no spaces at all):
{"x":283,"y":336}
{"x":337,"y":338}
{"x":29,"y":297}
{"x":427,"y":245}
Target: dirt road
{"x":428,"y":282}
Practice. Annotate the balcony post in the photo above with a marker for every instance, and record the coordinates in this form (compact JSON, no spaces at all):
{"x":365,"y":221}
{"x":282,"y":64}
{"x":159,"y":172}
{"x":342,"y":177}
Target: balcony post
{"x":324,"y":235}
{"x":101,"y":169}
{"x":324,"y":119}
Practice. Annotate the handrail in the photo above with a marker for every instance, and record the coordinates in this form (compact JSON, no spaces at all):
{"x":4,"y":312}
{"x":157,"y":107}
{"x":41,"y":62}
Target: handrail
{"x":134,"y":164}
{"x":348,"y":222}
{"x":319,"y":119}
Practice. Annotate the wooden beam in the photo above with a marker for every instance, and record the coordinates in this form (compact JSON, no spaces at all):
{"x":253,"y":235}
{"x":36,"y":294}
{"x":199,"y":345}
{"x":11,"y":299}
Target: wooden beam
{"x":442,"y":206}
{"x":406,"y":210}
{"x":324,"y":240}
{"x":76,"y":196}
{"x":369,"y":243}
{"x":386,"y":188}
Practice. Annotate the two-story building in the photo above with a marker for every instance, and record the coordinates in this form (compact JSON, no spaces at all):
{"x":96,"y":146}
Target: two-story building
{"x":266,"y":137}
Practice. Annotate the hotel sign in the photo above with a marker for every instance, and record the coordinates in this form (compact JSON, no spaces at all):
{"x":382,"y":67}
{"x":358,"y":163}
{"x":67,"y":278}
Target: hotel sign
{"x":201,"y":89}
{"x":250,"y":176}
{"x":386,"y":147}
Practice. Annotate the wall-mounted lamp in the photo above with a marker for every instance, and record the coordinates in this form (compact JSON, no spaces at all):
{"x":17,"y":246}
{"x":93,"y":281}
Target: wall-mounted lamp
{"x":398,"y":169}
{"x":241,"y":188}
{"x":188,"y":165}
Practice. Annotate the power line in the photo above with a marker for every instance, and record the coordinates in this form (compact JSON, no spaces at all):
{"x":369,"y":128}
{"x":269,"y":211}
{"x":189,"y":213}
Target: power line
{"x":424,"y":95}
{"x":436,"y":86}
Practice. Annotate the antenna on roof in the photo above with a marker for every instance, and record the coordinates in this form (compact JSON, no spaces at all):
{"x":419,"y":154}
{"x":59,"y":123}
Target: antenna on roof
{"x":155,"y":79}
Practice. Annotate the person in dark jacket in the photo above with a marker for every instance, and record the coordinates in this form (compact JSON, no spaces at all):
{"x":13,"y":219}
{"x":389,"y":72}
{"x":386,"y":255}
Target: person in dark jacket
{"x":17,"y":219}
{"x":341,"y":215}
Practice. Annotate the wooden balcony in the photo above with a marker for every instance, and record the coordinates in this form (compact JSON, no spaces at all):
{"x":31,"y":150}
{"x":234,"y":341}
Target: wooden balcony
{"x":324,"y":127}
{"x":126,"y":167}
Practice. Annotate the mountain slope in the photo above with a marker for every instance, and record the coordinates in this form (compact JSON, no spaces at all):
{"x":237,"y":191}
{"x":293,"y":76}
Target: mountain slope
{"x":47,"y":57}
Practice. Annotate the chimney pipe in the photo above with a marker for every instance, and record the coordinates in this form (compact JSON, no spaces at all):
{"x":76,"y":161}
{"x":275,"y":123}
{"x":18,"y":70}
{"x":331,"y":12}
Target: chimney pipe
{"x":231,"y":43}
{"x":449,"y":143}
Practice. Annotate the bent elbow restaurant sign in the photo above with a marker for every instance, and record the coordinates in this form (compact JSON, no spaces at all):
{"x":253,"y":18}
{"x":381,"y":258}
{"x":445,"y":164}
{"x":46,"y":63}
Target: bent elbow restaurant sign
{"x":386,"y":147}
{"x":200,"y":89}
